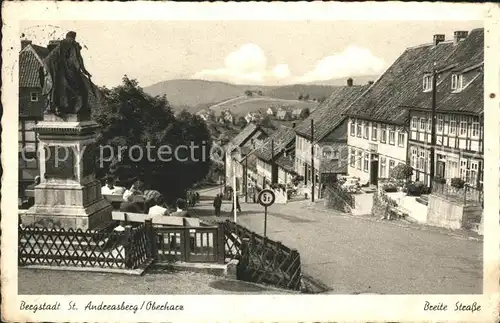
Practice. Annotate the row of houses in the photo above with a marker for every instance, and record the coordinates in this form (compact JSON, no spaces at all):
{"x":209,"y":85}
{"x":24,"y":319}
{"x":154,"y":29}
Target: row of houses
{"x":365,"y":131}
{"x":286,"y":113}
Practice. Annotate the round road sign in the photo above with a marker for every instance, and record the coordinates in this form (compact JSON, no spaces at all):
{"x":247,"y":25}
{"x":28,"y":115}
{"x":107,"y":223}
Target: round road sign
{"x":266,"y":197}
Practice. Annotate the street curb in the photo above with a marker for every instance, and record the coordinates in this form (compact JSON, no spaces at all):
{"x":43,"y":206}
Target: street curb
{"x":408,"y":224}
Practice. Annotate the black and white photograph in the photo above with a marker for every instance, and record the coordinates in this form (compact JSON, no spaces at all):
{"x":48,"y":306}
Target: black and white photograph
{"x":341,"y":158}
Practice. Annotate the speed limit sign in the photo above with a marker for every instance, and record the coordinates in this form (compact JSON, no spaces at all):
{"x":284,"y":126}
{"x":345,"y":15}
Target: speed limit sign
{"x":266,"y":197}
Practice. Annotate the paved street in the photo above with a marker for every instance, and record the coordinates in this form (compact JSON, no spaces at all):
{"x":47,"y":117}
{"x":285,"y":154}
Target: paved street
{"x":355,"y":255}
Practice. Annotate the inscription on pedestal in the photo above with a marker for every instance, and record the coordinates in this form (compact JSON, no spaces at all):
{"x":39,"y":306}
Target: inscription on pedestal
{"x":60,"y":163}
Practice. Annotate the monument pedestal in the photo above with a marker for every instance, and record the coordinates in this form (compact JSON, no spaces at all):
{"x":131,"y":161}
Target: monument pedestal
{"x":69,"y":195}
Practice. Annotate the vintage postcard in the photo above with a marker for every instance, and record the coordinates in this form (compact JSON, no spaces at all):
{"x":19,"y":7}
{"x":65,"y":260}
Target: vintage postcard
{"x":256,"y":162}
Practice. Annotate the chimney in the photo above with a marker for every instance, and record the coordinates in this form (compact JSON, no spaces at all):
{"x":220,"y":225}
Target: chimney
{"x":24,"y":43}
{"x":53,"y":44}
{"x":349,"y":82}
{"x":438,"y":38}
{"x":293,"y":125}
{"x":459,"y":35}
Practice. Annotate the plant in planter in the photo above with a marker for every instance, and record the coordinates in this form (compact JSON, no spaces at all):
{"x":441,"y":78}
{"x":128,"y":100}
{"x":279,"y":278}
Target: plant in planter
{"x":457,"y":182}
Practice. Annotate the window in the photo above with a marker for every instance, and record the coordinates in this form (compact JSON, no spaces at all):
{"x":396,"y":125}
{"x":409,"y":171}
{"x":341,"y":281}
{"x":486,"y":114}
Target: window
{"x":383,"y":135}
{"x":414,"y":123}
{"x":463,"y":169}
{"x":366,"y":162}
{"x":453,"y":127}
{"x":358,"y":159}
{"x":382,"y":168}
{"x":463,"y":128}
{"x":392,"y":164}
{"x":475,"y":129}
{"x":358,"y":129}
{"x":34,"y":96}
{"x":454,"y":82}
{"x":451,"y":169}
{"x":353,"y":128}
{"x":353,"y":157}
{"x":427,"y":83}
{"x":429,"y":125}
{"x":414,"y":157}
{"x":474,"y":167}
{"x":457,"y":82}
{"x":366,"y":130}
{"x":422,"y":161}
{"x":392,"y":136}
{"x":422,"y":124}
{"x":440,"y":125}
{"x":401,"y":139}
{"x":374,"y":131}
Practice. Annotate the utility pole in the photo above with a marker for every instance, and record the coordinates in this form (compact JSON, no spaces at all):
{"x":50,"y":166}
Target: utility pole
{"x":272,"y":161}
{"x":225,"y":170}
{"x":246,"y":178}
{"x":313,"y":179}
{"x":433,"y":126}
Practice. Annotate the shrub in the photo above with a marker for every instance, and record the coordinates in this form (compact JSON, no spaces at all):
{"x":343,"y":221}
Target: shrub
{"x":401,"y":172}
{"x":457,"y":182}
{"x":415,"y":189}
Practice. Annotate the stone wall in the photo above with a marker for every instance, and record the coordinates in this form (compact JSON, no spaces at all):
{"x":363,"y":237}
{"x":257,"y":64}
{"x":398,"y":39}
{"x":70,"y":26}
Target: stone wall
{"x":452,"y":214}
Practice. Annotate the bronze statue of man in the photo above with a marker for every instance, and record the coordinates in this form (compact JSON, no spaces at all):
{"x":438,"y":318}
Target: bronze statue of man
{"x":65,"y":81}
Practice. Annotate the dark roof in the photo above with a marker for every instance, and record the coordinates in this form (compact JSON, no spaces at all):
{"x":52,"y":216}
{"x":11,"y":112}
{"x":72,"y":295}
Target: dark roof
{"x":29,"y":67}
{"x":282,"y":138}
{"x":42,"y":52}
{"x":467,"y":55}
{"x":244,"y":134}
{"x":330,"y":114}
{"x":286,"y":162}
{"x":399,"y":83}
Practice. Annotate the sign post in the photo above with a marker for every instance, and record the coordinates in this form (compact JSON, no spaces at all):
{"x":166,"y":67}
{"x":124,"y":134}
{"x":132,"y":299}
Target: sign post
{"x":266,"y":198}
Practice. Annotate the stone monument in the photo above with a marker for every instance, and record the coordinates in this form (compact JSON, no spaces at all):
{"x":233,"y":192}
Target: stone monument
{"x":69,"y":195}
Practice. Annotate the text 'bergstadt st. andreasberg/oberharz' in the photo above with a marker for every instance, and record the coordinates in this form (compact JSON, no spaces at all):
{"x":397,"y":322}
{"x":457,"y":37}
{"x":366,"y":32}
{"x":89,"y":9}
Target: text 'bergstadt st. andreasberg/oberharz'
{"x":102,"y":306}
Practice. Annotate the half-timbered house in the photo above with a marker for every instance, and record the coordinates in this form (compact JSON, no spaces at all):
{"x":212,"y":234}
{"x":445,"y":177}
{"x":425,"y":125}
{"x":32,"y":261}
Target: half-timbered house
{"x":378,"y":132}
{"x":459,"y":130}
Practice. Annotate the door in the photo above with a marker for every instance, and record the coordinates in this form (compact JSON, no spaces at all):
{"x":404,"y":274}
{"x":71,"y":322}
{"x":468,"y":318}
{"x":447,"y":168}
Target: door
{"x":374,"y":172}
{"x":441,"y":169}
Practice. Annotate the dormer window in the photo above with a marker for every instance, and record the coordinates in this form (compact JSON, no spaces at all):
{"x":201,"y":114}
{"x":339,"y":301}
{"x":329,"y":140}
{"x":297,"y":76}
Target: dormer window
{"x":427,"y":83}
{"x":34,"y":96}
{"x":457,"y":82}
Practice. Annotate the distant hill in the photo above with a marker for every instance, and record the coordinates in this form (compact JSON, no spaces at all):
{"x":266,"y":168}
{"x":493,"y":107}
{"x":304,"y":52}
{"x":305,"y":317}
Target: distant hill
{"x":194,"y":95}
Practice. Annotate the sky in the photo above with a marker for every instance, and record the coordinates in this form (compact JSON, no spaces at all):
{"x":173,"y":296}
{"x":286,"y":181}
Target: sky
{"x":240,"y":52}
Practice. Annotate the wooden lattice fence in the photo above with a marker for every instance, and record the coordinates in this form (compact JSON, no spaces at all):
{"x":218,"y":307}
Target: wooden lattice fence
{"x":262,"y":260}
{"x":128,"y":249}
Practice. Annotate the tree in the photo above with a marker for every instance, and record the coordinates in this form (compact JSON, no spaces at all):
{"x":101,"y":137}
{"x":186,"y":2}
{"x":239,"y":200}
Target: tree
{"x":306,"y":97}
{"x":130,"y":118}
{"x":260,"y":93}
{"x":402,"y":172}
{"x":301,"y":97}
{"x":304,"y":113}
{"x":248,"y":93}
{"x":242,"y":122}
